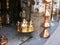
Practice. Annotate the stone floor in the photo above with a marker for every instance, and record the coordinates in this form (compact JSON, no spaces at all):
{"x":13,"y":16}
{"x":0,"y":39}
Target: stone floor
{"x":15,"y":38}
{"x":54,"y":38}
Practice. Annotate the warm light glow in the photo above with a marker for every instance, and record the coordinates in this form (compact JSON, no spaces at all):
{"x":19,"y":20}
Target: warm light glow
{"x":46,"y":33}
{"x":47,"y":13}
{"x":52,"y":18}
{"x":48,"y":0}
{"x":18,"y":23}
{"x":31,"y":27}
{"x":26,"y":28}
{"x":54,"y":9}
{"x":24,"y":25}
{"x":46,"y":24}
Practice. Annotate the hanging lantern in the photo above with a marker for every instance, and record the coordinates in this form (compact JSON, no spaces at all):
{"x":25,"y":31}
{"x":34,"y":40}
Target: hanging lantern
{"x":45,"y":33}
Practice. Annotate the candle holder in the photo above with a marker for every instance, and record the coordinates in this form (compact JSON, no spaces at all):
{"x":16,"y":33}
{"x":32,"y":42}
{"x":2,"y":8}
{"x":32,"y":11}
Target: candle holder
{"x":46,"y":24}
{"x":25,"y":26}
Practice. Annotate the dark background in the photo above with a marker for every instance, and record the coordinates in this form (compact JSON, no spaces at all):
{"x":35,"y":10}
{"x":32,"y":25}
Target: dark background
{"x":13,"y":10}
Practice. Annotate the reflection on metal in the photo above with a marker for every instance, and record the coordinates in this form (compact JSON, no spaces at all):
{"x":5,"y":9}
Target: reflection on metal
{"x":7,"y":3}
{"x":52,"y":19}
{"x":54,"y":11}
{"x":3,"y":40}
{"x":25,"y":27}
{"x":24,"y":13}
{"x":47,"y":24}
{"x":53,"y":14}
{"x":7,"y":19}
{"x":19,"y":26}
{"x":45,"y":33}
{"x":47,"y":13}
{"x":48,"y":1}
